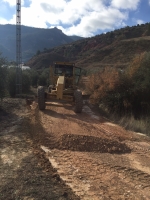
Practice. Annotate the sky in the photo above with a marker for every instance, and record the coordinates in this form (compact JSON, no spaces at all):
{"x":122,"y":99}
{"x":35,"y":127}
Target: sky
{"x":84,"y":18}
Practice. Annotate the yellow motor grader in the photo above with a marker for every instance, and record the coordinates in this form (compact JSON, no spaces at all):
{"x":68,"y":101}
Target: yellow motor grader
{"x":64,"y":78}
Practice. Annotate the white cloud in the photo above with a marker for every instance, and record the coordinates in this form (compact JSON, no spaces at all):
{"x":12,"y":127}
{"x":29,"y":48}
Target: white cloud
{"x":107,"y":19}
{"x":3,"y":21}
{"x":125,"y":4}
{"x":149,"y":2}
{"x":13,"y":2}
{"x":75,"y":17}
{"x":139,"y":21}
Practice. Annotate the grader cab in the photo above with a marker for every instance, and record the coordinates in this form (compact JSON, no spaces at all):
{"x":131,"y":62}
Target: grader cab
{"x":64,"y":77}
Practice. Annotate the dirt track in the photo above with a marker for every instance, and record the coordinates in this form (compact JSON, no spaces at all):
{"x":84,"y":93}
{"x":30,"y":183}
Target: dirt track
{"x":95,"y":158}
{"x":25,"y":173}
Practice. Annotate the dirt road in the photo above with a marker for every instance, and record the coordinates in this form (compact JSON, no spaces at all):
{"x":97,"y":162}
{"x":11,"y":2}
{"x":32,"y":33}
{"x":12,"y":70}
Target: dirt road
{"x":25,"y":173}
{"x":97,"y":159}
{"x":89,"y":157}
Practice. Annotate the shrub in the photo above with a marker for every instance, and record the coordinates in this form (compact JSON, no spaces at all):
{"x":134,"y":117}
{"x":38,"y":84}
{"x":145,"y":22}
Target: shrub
{"x":148,"y":31}
{"x":3,"y":81}
{"x":3,"y":76}
{"x":103,"y":82}
{"x":141,"y":86}
{"x":26,"y":81}
{"x":12,"y":81}
{"x":44,"y":78}
{"x":34,"y":77}
{"x":124,"y":92}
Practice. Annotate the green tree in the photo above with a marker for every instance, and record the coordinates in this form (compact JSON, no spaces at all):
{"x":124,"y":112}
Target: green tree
{"x":44,"y":78}
{"x":34,"y":77}
{"x":3,"y":76}
{"x":12,"y":81}
{"x":3,"y":81}
{"x":132,"y":92}
{"x":148,"y":32}
{"x":141,"y":80}
{"x":26,"y":81}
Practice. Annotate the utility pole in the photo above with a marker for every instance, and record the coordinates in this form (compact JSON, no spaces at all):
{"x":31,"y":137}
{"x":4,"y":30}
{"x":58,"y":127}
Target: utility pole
{"x":18,"y":49}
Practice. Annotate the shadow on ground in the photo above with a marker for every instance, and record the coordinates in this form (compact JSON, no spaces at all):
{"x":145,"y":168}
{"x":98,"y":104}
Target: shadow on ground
{"x":34,"y":177}
{"x":73,"y":117}
{"x":74,"y":142}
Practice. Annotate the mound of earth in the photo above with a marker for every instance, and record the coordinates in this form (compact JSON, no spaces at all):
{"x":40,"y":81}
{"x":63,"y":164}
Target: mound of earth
{"x":92,"y":144}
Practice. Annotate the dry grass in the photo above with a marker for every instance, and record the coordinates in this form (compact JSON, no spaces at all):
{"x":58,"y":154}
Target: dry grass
{"x":135,"y":65}
{"x":102,"y":82}
{"x":141,"y":125}
{"x":120,"y":92}
{"x":137,"y":39}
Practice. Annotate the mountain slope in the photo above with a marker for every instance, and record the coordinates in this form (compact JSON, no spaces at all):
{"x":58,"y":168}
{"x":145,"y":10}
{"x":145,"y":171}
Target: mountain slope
{"x":33,"y":39}
{"x":113,"y":48}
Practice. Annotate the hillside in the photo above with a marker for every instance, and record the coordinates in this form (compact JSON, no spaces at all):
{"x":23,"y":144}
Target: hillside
{"x":113,"y":48}
{"x":33,"y":39}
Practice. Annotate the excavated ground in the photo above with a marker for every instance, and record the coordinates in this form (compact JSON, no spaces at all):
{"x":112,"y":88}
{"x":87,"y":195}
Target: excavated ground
{"x":25,"y":172}
{"x":80,"y":156}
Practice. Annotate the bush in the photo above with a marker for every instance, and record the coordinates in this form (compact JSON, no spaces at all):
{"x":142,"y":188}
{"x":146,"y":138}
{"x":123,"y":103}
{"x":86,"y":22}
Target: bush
{"x":148,"y":31}
{"x":124,"y":92}
{"x":26,"y":81}
{"x":3,"y":81}
{"x":34,"y":77}
{"x":12,"y":81}
{"x":141,"y":86}
{"x":102,"y":83}
{"x":44,"y":78}
{"x":3,"y":77}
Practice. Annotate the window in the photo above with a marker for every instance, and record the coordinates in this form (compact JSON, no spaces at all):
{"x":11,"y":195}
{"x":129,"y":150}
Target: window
{"x":66,"y":70}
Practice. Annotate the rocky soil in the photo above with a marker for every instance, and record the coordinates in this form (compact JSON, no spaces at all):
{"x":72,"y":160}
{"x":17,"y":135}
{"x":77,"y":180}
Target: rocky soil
{"x":58,"y":154}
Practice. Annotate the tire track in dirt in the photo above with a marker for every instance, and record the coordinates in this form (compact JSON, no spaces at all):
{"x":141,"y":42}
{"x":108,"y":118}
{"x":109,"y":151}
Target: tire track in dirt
{"x":25,"y":172}
{"x":91,"y":177}
{"x":94,"y":175}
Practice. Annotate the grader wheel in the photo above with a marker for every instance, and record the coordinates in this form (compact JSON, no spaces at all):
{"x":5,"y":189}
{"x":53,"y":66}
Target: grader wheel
{"x":78,"y":101}
{"x":41,"y":97}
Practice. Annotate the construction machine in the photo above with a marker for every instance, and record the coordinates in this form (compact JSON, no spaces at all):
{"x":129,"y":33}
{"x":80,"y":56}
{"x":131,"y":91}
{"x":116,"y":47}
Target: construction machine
{"x":64,"y":78}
